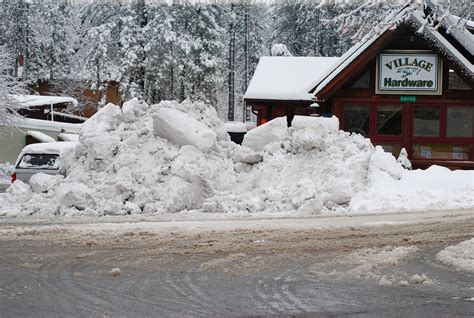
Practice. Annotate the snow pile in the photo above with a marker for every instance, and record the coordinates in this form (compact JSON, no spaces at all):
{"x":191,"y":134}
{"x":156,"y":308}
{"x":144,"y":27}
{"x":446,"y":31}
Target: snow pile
{"x":310,"y":167}
{"x":459,"y":256}
{"x":435,"y":188}
{"x":6,"y":171}
{"x":181,"y":129}
{"x":175,"y":157}
{"x":121,"y":167}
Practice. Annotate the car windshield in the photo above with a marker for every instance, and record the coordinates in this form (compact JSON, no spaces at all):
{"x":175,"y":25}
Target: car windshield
{"x":39,"y":161}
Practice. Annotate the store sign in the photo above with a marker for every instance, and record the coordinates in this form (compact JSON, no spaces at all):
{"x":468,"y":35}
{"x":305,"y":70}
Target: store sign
{"x":408,"y":72}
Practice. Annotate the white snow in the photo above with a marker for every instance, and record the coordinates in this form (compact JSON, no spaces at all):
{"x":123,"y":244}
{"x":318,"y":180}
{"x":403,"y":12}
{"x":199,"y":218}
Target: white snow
{"x":121,"y":167}
{"x":263,"y":135}
{"x":42,"y":137}
{"x":39,"y":100}
{"x":181,"y":129}
{"x":30,"y":123}
{"x":235,"y":127}
{"x":42,"y":182}
{"x":6,"y":170}
{"x":69,"y":137}
{"x":115,"y":272}
{"x":287,"y":78}
{"x":460,"y":256}
{"x":58,"y":147}
{"x":434,"y":188}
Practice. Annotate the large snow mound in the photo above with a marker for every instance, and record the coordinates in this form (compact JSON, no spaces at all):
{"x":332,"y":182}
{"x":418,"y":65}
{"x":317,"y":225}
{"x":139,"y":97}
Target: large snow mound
{"x":174,"y":157}
{"x":181,"y":129}
{"x":459,"y":256}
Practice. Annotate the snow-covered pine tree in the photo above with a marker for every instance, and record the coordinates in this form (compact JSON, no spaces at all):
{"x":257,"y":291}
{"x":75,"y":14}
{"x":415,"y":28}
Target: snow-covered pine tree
{"x":49,"y":55}
{"x":16,"y":36}
{"x":131,"y":55}
{"x":199,"y":51}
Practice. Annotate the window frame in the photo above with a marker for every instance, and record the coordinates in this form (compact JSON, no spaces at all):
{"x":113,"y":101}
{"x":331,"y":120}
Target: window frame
{"x":457,"y":138}
{"x":378,"y":136}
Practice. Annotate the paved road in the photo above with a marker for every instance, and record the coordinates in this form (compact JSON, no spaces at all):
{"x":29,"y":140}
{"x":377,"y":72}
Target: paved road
{"x":58,"y":270}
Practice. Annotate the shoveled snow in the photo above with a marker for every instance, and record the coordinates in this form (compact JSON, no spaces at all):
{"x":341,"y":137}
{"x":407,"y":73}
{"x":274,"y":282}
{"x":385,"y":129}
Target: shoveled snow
{"x":175,"y":157}
{"x":6,"y":170}
{"x":235,"y":127}
{"x":181,"y":129}
{"x":40,"y":100}
{"x":58,"y":147}
{"x":42,"y":137}
{"x":434,"y":188}
{"x":459,"y":256}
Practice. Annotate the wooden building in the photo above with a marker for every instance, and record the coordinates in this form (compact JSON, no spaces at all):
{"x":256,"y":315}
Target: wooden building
{"x":411,"y":86}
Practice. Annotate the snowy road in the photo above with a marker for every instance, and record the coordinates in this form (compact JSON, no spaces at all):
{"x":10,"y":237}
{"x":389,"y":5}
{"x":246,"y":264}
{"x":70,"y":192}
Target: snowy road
{"x":232,"y":267}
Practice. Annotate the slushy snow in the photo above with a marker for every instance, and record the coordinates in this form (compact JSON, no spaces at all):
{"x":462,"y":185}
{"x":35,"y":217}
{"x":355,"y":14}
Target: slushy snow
{"x":460,"y":256}
{"x":174,"y":157}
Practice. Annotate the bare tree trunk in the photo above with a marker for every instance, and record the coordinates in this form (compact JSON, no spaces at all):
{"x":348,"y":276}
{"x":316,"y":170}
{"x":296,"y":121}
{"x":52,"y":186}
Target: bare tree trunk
{"x":26,"y":63}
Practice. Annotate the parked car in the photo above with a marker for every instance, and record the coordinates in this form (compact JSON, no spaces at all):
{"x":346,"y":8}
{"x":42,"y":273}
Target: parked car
{"x":42,"y":157}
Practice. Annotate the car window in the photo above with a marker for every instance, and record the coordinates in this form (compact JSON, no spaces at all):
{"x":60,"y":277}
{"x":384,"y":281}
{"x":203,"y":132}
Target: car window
{"x":39,"y":161}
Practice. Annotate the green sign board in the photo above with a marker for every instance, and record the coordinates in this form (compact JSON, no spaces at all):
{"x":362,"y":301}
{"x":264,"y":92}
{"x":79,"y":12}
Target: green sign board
{"x":407,"y":99}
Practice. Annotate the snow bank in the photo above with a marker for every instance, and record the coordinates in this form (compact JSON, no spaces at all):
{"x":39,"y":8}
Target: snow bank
{"x":174,"y":157}
{"x":181,"y":129}
{"x":276,"y":129}
{"x":6,"y":170}
{"x":435,"y":188}
{"x":459,"y":256}
{"x":121,"y":167}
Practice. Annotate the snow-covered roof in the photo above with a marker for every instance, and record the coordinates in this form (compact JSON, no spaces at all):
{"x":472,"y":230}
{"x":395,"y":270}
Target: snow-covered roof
{"x":40,"y":124}
{"x":40,"y":136}
{"x":417,"y":17}
{"x":356,"y":50}
{"x":54,"y":113}
{"x":466,"y":39}
{"x":39,"y":100}
{"x":287,"y":78}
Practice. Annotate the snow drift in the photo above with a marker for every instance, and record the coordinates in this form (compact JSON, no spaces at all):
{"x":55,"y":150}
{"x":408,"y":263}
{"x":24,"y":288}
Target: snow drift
{"x":173,"y":157}
{"x":460,"y":256}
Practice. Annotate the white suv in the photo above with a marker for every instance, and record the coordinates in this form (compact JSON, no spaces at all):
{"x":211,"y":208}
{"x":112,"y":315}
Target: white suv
{"x":42,"y":157}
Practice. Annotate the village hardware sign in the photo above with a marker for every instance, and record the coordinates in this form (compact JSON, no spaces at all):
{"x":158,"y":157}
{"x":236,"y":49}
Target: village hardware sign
{"x":408,"y":72}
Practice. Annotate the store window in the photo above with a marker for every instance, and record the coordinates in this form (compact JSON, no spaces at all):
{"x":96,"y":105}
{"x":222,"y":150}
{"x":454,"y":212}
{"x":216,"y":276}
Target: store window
{"x":460,"y":122}
{"x":356,"y":119}
{"x":442,"y":151}
{"x":426,"y":122}
{"x":389,"y":120}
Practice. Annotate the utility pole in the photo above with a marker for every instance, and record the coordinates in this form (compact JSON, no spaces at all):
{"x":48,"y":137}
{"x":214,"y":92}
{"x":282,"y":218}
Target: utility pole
{"x":231,"y":84}
{"x":246,"y":116}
